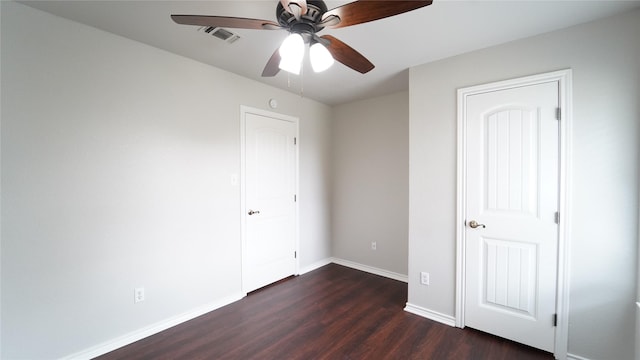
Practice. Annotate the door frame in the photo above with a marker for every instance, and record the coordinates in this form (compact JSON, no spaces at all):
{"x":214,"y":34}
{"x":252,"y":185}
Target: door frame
{"x":244,"y":110}
{"x":564,"y":78}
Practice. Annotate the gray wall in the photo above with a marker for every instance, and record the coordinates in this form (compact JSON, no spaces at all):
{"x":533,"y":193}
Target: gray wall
{"x":371,"y":182}
{"x":117,"y":158}
{"x":116,"y":173}
{"x":605,"y":58}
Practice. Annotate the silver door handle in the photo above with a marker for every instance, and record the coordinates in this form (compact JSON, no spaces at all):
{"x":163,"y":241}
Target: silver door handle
{"x":251,"y":212}
{"x":474,"y":224}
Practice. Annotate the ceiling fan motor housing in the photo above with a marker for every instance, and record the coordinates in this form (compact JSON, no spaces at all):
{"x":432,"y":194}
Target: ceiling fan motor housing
{"x":308,"y":24}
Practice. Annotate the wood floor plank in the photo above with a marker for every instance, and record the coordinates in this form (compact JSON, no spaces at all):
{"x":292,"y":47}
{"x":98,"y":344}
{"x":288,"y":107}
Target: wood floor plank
{"x":331,"y":313}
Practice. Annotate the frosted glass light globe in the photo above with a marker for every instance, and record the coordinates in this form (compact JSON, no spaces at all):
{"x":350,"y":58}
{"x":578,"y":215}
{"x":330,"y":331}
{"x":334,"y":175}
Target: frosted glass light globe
{"x":320,"y":57}
{"x":291,"y":53}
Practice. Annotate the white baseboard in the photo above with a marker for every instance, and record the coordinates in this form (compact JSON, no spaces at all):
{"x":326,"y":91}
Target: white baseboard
{"x":371,"y":269}
{"x":140,"y":334}
{"x":431,"y":315}
{"x":314,"y":266}
{"x":451,"y":321}
{"x":575,"y":357}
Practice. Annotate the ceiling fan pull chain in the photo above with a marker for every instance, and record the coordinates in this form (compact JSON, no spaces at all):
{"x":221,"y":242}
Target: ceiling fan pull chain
{"x":302,"y":82}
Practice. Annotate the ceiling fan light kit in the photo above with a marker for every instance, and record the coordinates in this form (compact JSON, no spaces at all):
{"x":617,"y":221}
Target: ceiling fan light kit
{"x":292,"y":53}
{"x":304,"y":19}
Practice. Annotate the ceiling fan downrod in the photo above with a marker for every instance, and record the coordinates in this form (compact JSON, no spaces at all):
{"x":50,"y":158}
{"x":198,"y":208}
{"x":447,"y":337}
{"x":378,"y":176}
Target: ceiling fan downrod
{"x":306,"y":24}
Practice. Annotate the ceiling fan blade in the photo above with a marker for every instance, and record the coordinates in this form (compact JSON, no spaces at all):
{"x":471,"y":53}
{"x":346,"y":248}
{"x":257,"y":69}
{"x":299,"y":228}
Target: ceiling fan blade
{"x":273,"y":65}
{"x":301,"y":7}
{"x":347,"y":55}
{"x":225,"y":22}
{"x":363,"y":11}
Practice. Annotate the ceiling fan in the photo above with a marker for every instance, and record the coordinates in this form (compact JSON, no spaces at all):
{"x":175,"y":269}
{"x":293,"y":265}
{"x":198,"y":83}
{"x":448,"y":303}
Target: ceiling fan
{"x":304,"y":19}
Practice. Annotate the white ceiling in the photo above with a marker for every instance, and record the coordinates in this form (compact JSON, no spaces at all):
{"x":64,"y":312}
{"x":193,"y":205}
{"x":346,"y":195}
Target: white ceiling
{"x":444,"y":29}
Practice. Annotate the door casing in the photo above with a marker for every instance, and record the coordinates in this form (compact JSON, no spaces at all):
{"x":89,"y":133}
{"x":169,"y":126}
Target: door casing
{"x":243,"y":209}
{"x":564,"y":229}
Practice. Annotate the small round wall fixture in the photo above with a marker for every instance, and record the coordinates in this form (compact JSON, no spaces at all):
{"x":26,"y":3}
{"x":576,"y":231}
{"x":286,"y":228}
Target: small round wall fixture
{"x":273,"y":103}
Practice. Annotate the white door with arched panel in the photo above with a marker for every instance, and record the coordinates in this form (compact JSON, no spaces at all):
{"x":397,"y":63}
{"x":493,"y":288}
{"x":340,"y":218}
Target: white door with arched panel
{"x":511,"y":230}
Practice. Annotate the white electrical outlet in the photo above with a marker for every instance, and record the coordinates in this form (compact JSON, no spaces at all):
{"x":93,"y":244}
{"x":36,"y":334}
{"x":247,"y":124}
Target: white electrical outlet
{"x":138,"y":295}
{"x":374,"y":245}
{"x":424,"y":278}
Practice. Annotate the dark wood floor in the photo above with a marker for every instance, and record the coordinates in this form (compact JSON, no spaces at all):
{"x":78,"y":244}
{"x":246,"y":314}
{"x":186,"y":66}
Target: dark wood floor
{"x":331,"y":313}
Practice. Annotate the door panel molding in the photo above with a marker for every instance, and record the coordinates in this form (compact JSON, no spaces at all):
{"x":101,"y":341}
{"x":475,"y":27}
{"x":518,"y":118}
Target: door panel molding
{"x":244,"y":110}
{"x":563,"y":77}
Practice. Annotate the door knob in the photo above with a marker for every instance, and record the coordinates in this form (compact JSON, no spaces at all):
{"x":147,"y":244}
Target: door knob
{"x":474,"y":224}
{"x":251,"y":212}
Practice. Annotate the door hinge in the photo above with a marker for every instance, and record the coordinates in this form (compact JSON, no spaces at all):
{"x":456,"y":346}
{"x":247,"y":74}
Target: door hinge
{"x":295,"y":141}
{"x":557,"y":217}
{"x":558,"y":114}
{"x":555,"y":319}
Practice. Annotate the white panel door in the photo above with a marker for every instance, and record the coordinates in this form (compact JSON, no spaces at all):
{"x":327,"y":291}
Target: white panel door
{"x":512,"y":195}
{"x":270,"y":211}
